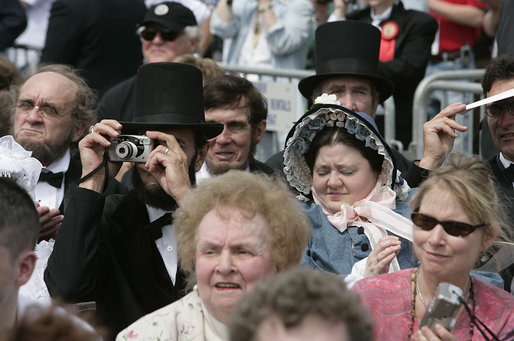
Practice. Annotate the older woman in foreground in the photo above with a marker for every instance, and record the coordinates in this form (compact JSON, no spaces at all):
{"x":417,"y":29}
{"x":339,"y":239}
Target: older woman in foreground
{"x":232,"y":231}
{"x":457,"y":217}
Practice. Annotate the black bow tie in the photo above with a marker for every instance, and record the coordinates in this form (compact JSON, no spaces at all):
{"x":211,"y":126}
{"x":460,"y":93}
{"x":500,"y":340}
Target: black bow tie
{"x":155,"y":227}
{"x":53,"y":179}
{"x":509,"y":171}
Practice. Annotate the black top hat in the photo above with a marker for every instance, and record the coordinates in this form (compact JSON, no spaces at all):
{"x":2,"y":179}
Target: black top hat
{"x":347,"y":48}
{"x":172,"y":15}
{"x":170,"y":95}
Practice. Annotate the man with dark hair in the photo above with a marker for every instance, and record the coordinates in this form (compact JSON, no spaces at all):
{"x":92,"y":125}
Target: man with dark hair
{"x":52,"y":110}
{"x":19,"y":227}
{"x":438,"y":141}
{"x":242,"y":109}
{"x":120,"y":250}
{"x":301,"y":304}
{"x":499,"y":77}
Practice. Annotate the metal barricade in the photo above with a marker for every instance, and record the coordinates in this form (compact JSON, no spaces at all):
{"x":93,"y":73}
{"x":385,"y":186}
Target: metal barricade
{"x":26,"y":58}
{"x":291,"y":74}
{"x":294,"y":76}
{"x":463,"y":81}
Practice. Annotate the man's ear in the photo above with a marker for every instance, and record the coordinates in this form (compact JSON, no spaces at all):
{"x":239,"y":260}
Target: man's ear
{"x":490,"y":235}
{"x":375,"y":103}
{"x":260,"y":129}
{"x":78,"y":131}
{"x":24,"y":267}
{"x":200,"y":157}
{"x":193,"y":45}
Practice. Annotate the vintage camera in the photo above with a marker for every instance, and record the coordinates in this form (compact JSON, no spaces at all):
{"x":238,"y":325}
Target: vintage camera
{"x":130,"y":148}
{"x":444,"y":308}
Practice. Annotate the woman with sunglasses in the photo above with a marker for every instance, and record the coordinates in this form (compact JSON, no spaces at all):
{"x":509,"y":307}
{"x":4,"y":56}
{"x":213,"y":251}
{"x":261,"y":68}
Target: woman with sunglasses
{"x":457,"y":216}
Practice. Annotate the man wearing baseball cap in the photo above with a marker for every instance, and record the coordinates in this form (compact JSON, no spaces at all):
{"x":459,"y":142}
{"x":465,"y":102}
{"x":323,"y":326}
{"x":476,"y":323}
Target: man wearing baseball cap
{"x":167,"y":31}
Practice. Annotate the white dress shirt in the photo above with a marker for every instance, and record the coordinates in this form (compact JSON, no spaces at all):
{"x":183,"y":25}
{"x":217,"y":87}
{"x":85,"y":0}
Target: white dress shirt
{"x":204,"y":173}
{"x":167,"y":244}
{"x":48,"y":195}
{"x":376,"y":19}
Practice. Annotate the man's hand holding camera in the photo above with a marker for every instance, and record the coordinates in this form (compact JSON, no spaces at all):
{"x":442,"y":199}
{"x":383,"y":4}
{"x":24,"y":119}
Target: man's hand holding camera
{"x":168,"y":164}
{"x":92,"y":149}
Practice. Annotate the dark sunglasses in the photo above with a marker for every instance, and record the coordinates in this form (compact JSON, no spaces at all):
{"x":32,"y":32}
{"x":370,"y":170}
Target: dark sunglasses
{"x":453,"y":228}
{"x":495,"y":110}
{"x":149,"y":33}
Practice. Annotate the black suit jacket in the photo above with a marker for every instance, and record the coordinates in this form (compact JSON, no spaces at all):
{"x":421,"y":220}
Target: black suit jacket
{"x":506,"y":191}
{"x":12,"y":22}
{"x":119,"y":102}
{"x":259,"y":167}
{"x":71,"y":180}
{"x":104,"y":252}
{"x":97,"y":37}
{"x":504,"y":184}
{"x":416,"y":32}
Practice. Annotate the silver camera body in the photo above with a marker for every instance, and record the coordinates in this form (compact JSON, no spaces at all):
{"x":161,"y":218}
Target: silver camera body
{"x":130,"y":148}
{"x":444,"y":308}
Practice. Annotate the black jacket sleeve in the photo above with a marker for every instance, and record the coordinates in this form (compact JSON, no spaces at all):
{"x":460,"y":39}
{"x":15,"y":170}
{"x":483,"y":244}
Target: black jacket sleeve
{"x":73,"y":266}
{"x":12,"y":22}
{"x":62,"y":44}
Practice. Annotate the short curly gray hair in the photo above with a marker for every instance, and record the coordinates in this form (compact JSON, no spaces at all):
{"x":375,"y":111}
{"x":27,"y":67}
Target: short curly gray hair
{"x":253,"y":194}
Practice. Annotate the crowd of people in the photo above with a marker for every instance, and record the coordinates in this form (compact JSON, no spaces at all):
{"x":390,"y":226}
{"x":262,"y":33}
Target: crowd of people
{"x":132,"y":205}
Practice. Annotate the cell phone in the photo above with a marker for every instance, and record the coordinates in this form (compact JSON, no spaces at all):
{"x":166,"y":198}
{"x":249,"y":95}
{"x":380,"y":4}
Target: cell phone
{"x":444,"y":308}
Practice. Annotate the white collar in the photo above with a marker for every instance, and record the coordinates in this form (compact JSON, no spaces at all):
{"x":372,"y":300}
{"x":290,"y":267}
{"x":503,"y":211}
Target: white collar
{"x":155,"y":213}
{"x":204,"y":173}
{"x":378,"y":18}
{"x":506,"y":163}
{"x":62,"y":164}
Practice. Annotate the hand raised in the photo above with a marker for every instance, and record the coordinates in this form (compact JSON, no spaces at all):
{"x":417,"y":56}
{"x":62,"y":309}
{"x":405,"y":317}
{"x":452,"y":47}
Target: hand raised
{"x":439,"y":136}
{"x":382,"y":255}
{"x":169,"y":165}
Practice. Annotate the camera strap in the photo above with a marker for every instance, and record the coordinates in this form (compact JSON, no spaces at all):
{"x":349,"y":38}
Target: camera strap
{"x":105,"y":164}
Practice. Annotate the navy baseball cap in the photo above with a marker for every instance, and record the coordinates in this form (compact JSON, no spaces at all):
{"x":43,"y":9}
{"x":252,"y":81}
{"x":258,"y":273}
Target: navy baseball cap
{"x":171,"y":15}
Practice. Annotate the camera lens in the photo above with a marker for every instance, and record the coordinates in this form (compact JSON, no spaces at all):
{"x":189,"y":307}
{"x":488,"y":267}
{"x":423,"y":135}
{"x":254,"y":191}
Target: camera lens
{"x":126,"y":150}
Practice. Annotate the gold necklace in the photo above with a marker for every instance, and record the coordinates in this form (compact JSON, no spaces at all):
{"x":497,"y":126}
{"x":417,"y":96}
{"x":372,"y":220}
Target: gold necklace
{"x":415,"y":289}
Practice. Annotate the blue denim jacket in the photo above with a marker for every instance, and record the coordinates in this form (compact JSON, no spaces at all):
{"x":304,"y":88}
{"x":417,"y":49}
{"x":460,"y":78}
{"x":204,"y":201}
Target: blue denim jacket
{"x":287,"y":39}
{"x":334,"y":251}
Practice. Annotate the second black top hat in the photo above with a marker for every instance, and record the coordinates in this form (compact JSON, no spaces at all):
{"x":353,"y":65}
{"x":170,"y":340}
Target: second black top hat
{"x":347,"y":48}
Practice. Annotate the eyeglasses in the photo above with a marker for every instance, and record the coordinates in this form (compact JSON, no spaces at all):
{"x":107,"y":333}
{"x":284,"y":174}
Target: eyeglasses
{"x":149,"y":33}
{"x":453,"y":228}
{"x":495,"y":110}
{"x":46,"y":109}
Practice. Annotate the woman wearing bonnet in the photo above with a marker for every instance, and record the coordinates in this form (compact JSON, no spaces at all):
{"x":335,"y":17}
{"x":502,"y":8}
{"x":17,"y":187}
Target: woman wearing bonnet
{"x":355,"y":198}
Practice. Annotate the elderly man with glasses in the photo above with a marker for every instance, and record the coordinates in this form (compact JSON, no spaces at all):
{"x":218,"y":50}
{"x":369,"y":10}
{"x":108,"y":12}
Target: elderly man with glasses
{"x":168,"y":30}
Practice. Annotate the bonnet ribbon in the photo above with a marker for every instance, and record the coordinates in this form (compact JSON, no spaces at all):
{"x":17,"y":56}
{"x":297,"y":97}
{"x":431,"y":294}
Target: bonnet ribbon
{"x":374,"y":213}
